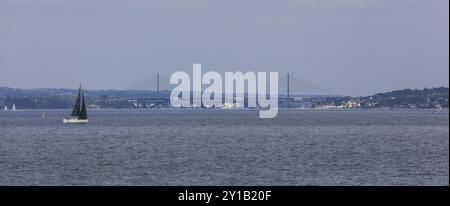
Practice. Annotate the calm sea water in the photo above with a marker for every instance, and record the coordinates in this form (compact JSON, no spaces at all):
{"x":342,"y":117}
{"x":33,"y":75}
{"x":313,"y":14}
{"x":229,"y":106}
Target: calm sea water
{"x":217,"y":147}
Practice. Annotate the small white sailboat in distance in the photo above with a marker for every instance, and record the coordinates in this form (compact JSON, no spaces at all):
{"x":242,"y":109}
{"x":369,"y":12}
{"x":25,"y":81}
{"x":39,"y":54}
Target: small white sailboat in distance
{"x":6,"y":108}
{"x":14,"y":107}
{"x":79,"y":114}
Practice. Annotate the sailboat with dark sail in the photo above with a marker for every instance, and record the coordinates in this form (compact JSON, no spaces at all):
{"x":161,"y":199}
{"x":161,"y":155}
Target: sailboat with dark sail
{"x":79,"y":113}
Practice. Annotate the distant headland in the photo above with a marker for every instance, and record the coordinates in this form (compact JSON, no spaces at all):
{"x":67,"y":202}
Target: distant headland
{"x":427,"y":98}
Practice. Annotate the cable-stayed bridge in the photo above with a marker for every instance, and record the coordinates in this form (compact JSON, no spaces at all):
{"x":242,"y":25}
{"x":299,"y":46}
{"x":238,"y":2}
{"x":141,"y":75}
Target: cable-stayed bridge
{"x":293,"y":92}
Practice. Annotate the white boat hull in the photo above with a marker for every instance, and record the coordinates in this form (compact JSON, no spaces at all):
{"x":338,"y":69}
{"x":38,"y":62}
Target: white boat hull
{"x":75,"y":121}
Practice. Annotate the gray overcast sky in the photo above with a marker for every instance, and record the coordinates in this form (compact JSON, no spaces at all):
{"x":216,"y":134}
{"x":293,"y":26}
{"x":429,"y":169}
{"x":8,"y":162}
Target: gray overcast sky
{"x":352,"y":47}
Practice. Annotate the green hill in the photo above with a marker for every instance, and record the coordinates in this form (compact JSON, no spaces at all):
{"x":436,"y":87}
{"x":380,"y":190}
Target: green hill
{"x":408,"y":98}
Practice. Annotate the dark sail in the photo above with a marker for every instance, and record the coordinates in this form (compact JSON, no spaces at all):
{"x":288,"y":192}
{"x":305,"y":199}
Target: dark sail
{"x":77,"y":108}
{"x":83,"y":113}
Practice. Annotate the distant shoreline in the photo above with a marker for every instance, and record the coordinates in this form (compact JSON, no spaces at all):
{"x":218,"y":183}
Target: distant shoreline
{"x":427,"y":98}
{"x":241,"y":109}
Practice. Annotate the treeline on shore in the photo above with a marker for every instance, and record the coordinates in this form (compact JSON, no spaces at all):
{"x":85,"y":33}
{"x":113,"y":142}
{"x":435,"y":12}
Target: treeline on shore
{"x":427,"y":98}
